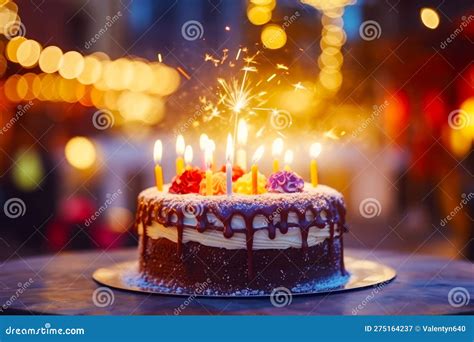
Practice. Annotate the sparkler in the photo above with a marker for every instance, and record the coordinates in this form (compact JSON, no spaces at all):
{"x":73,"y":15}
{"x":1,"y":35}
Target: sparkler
{"x":244,"y":95}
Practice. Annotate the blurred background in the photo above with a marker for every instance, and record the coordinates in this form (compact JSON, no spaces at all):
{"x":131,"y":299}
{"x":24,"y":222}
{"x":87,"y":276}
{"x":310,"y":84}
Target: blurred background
{"x":386,"y":87}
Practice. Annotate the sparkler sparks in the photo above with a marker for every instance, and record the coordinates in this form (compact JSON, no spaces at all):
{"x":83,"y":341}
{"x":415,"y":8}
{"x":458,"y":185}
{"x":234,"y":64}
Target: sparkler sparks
{"x":245,"y":94}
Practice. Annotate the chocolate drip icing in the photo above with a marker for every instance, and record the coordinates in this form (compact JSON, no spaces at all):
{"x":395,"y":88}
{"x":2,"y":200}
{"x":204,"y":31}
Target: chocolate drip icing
{"x":324,"y":211}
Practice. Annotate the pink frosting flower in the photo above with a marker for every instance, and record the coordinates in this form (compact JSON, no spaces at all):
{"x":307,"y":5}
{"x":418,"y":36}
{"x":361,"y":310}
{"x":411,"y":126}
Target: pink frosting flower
{"x":285,"y":181}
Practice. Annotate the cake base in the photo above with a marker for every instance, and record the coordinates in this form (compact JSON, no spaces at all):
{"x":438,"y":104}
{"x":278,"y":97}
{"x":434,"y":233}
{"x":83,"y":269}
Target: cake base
{"x":362,"y":273}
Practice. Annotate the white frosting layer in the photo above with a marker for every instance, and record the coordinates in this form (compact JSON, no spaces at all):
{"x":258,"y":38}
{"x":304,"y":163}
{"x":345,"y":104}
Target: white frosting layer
{"x":213,"y":238}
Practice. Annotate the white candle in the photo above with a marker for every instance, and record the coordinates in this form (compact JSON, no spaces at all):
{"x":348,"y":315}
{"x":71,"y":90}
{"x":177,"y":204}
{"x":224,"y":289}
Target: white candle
{"x":203,"y":139}
{"x":277,"y":148}
{"x":188,"y":156}
{"x":229,"y":155}
{"x":288,"y":159}
{"x":242,"y":136}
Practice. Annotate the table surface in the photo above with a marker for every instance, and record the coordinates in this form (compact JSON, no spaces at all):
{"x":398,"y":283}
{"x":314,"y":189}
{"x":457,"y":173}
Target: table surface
{"x":62,"y":284}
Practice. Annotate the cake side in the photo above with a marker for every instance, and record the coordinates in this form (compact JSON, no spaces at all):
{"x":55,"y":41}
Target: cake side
{"x":303,"y":228}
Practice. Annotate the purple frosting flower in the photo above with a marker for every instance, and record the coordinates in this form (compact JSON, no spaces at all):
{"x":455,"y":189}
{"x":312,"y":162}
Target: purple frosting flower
{"x":285,"y":181}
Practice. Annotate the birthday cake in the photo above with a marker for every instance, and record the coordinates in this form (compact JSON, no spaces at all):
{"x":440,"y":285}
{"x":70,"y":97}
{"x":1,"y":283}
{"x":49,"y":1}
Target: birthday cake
{"x":285,"y":233}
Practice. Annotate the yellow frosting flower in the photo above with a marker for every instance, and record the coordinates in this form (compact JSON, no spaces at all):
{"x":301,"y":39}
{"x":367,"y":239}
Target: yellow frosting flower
{"x":219,"y":182}
{"x":243,"y":185}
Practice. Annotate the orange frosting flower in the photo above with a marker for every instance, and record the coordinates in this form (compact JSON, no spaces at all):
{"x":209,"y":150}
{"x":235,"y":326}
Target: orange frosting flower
{"x":218,"y":184}
{"x":243,"y":185}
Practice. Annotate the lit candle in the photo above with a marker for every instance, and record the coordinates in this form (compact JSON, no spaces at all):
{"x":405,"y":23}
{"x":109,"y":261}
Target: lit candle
{"x":288,"y":159}
{"x":254,"y":169}
{"x":203,"y":139}
{"x":212,"y":146}
{"x":229,"y":156}
{"x":208,"y":158}
{"x":242,"y":136}
{"x":157,"y":154}
{"x":188,"y":156}
{"x":180,"y":146}
{"x":277,"y":148}
{"x":314,"y":151}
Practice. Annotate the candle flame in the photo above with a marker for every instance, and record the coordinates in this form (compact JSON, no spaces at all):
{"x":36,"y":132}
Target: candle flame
{"x":180,"y":145}
{"x":289,"y":155}
{"x":203,"y":139}
{"x":212,"y":144}
{"x":188,"y":155}
{"x":277,"y":147}
{"x":158,"y":151}
{"x":258,"y":154}
{"x":229,"y":154}
{"x":315,"y":150}
{"x":242,"y":132}
{"x":208,"y":155}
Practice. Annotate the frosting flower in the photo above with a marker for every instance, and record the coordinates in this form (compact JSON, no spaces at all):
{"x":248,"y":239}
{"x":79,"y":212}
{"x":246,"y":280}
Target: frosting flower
{"x":243,"y":185}
{"x":285,"y":181}
{"x":218,"y":184}
{"x":188,"y":182}
{"x":237,"y":172}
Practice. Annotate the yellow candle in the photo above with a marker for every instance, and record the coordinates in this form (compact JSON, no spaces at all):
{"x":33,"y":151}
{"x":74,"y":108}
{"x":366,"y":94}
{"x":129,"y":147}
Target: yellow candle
{"x":157,"y":154}
{"x":208,"y":159}
{"x":179,"y":166}
{"x":314,"y":172}
{"x":180,"y":147}
{"x":276,"y":165}
{"x":159,"y":177}
{"x":208,"y":183}
{"x":212,"y":146}
{"x":254,"y":169}
{"x":277,"y":148}
{"x":314,"y":151}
